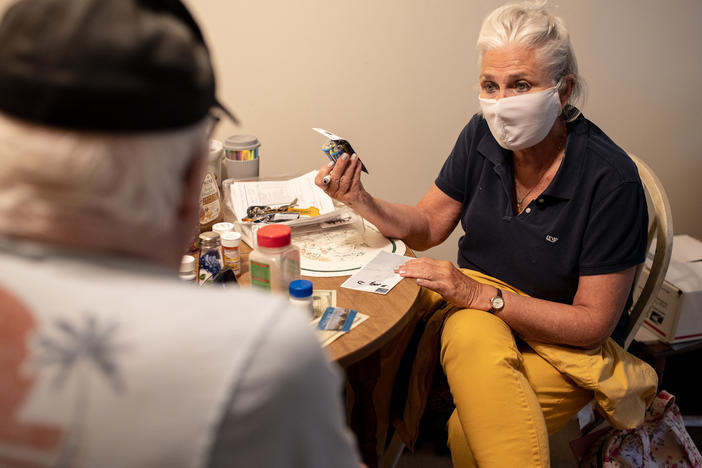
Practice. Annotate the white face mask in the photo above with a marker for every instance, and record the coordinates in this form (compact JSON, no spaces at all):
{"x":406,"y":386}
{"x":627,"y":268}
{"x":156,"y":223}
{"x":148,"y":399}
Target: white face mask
{"x":519,"y":122}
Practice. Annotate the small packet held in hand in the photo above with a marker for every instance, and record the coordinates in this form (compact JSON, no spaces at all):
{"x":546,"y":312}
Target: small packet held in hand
{"x":336,"y":146}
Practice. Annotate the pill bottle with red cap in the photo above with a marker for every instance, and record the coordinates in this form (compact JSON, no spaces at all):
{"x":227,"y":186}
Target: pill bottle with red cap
{"x":275,"y":262}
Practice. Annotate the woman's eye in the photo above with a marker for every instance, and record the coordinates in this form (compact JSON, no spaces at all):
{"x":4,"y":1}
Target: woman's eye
{"x":489,"y":87}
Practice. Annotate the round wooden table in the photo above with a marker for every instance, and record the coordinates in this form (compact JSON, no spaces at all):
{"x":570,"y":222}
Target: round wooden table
{"x":388,"y":314}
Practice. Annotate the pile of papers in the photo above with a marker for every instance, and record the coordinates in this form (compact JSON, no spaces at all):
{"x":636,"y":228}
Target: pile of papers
{"x":242,"y":194}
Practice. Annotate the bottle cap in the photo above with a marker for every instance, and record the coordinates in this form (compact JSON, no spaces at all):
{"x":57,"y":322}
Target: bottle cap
{"x":215,"y":145}
{"x":276,"y":235}
{"x":300,"y":288}
{"x":209,"y":239}
{"x":187,"y":264}
{"x":241,"y":143}
{"x":222,"y":227}
{"x":231,"y":239}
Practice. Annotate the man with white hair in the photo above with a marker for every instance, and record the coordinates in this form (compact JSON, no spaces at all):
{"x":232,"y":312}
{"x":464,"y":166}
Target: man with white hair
{"x":106,"y":358}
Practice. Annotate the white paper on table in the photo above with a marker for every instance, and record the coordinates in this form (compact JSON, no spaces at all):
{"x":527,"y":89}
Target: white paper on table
{"x":378,"y":275}
{"x":280,"y":192}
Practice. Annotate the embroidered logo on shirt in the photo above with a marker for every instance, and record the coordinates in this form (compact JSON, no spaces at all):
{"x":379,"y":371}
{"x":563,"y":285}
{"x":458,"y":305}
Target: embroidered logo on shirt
{"x":551,"y":239}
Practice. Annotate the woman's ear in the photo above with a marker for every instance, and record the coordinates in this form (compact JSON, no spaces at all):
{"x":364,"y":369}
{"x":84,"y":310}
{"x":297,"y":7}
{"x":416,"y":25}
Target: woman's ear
{"x":566,"y":89}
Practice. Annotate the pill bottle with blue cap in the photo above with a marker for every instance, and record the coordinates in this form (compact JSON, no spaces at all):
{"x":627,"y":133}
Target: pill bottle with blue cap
{"x":301,"y":296}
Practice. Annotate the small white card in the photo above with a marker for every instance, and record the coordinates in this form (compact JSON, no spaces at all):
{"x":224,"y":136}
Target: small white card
{"x":328,"y":134}
{"x":378,"y":275}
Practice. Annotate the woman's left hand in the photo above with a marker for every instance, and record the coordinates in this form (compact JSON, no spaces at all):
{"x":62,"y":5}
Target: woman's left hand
{"x":444,"y":278}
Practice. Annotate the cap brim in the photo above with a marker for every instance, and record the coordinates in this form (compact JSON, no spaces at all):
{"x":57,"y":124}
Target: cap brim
{"x":226,"y":111}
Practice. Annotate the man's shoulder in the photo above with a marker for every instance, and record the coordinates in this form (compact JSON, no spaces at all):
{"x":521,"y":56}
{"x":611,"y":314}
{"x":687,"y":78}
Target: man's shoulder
{"x":134,"y":293}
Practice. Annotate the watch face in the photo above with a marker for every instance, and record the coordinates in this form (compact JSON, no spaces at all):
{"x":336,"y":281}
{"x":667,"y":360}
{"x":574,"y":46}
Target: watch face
{"x":497,"y":302}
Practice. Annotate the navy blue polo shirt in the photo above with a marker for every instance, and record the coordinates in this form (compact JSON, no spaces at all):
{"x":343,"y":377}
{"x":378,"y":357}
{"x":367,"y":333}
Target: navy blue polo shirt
{"x":592,"y":218}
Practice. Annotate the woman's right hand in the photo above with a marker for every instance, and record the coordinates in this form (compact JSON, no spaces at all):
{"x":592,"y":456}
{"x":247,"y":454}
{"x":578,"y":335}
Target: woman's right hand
{"x":342,"y":181}
{"x":422,"y":226}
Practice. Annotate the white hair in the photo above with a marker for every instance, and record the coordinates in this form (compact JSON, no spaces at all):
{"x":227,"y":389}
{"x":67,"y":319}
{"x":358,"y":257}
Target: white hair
{"x":529,"y":24}
{"x":49,"y":177}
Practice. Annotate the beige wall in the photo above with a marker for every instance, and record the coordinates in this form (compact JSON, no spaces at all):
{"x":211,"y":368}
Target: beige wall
{"x":398,"y":78}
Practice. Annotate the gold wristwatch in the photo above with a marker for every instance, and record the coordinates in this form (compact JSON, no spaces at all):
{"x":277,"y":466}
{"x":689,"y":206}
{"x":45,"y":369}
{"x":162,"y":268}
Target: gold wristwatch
{"x":497,"y":302}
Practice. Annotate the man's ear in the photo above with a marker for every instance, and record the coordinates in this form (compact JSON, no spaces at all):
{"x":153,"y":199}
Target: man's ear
{"x":192,"y":184}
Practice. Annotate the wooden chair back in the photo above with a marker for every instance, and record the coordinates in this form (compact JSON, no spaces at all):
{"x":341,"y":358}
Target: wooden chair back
{"x":660,"y":229}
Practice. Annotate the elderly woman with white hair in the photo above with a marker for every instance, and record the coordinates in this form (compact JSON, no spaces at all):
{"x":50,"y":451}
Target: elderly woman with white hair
{"x":555,"y":223}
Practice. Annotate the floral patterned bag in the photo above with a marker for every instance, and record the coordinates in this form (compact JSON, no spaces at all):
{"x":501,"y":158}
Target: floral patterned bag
{"x":661,"y":441}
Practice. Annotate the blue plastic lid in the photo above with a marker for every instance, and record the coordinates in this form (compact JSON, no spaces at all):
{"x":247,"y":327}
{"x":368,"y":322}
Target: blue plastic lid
{"x":300,"y":288}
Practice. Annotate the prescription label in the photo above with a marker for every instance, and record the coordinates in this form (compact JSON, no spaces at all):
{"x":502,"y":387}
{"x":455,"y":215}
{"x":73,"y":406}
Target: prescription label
{"x":260,"y":275}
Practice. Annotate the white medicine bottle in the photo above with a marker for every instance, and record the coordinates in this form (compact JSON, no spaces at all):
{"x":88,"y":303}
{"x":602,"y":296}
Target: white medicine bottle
{"x":275,"y":262}
{"x":221,"y":228}
{"x":187,"y":269}
{"x":301,"y":296}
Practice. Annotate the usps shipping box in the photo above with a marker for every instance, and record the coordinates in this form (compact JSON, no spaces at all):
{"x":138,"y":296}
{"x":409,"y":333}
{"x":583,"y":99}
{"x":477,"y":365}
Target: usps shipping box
{"x":676,"y":315}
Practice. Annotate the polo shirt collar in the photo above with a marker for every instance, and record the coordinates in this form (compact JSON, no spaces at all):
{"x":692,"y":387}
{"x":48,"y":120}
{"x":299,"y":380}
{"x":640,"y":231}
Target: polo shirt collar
{"x":493,"y":152}
{"x":501,"y":160}
{"x":562,"y":186}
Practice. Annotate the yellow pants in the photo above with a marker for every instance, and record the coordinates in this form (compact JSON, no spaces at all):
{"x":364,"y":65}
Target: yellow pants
{"x":507,"y":397}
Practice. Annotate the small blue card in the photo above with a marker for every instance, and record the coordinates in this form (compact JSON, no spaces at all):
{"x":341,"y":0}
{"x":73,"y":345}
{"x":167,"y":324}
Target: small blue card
{"x":337,"y":318}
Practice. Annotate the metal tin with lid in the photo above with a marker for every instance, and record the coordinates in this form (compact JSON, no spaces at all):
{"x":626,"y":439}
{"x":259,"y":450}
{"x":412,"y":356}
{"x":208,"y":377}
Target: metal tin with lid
{"x":210,"y":259}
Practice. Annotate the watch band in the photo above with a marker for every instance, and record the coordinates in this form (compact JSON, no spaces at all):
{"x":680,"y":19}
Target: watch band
{"x":497,"y":302}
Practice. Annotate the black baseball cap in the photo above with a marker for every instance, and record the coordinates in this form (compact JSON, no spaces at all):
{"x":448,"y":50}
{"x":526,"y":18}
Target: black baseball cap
{"x":105,"y":65}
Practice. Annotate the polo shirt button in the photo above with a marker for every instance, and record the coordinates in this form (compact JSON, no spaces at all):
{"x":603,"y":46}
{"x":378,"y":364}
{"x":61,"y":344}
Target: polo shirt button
{"x":541,"y":200}
{"x":528,"y":210}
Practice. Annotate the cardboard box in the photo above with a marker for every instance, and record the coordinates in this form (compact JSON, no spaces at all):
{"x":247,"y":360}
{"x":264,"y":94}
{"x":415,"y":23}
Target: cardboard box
{"x":676,"y":315}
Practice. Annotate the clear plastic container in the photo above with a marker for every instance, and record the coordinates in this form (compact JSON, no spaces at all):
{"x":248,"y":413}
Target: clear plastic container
{"x":210,"y":203}
{"x":275,"y":262}
{"x":241,"y":156}
{"x":214,"y":160}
